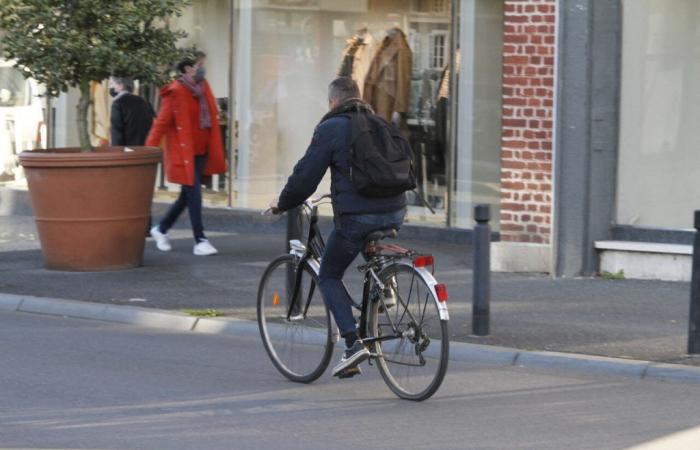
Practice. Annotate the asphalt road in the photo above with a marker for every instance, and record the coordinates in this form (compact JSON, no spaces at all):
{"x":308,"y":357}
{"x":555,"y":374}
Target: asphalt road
{"x":78,"y":384}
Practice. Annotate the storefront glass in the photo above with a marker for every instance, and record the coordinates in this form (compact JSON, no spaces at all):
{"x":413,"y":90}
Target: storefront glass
{"x":272,"y":60}
{"x":659,"y":162}
{"x":21,"y":120}
{"x":287,"y":51}
{"x":477,"y":158}
{"x":207,"y":24}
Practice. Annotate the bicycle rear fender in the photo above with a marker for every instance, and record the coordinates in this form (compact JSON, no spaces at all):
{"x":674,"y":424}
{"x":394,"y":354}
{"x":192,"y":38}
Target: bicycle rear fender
{"x":430,"y":281}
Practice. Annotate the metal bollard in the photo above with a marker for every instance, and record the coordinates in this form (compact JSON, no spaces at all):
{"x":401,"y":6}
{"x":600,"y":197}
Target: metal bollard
{"x":482,"y":271}
{"x":694,"y":316}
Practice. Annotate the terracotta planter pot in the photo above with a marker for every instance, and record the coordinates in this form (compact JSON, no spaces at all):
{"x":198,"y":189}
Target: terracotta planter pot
{"x":91,"y":208}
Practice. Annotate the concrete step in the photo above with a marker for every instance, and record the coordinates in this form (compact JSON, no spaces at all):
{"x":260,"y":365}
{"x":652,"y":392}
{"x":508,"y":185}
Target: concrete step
{"x":646,"y":260}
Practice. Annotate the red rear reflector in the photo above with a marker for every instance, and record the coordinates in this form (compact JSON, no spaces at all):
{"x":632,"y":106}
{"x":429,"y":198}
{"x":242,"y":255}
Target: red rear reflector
{"x":441,"y":291}
{"x":422,"y":261}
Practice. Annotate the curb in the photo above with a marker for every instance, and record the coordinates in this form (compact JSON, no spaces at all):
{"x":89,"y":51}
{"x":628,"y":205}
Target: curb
{"x":459,"y":351}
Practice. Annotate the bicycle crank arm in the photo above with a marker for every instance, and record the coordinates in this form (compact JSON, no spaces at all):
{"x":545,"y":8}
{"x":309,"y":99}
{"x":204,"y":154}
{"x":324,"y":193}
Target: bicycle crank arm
{"x":400,"y":363}
{"x":381,"y":338}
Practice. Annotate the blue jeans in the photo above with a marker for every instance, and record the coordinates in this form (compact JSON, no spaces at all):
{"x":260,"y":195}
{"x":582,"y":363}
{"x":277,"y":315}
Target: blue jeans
{"x":190,"y":198}
{"x":342,"y":247}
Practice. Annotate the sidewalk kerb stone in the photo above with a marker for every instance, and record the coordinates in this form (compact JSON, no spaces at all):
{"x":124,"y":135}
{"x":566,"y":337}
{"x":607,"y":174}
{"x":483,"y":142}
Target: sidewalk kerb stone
{"x":9,"y":302}
{"x":229,"y":327}
{"x":67,"y":308}
{"x":149,"y":318}
{"x":673,"y":372}
{"x":582,"y":363}
{"x":484,"y":354}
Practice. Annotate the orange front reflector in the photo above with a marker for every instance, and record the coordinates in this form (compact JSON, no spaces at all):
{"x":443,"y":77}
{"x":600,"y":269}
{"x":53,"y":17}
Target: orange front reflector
{"x":422,"y":261}
{"x":441,"y":291}
{"x":275,"y":299}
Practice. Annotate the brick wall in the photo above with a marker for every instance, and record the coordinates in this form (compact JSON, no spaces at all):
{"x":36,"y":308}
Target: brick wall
{"x":528,"y":109}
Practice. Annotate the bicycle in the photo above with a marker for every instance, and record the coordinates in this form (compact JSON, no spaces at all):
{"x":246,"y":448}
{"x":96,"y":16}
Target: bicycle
{"x":403,"y":314}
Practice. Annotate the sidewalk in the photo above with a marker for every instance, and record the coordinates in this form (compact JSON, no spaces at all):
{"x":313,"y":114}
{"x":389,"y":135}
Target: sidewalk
{"x":643,"y":320}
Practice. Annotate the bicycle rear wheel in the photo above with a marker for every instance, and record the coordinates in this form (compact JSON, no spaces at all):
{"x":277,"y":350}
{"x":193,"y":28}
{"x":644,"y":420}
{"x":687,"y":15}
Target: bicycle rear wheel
{"x":413,"y":365}
{"x":301,"y":345}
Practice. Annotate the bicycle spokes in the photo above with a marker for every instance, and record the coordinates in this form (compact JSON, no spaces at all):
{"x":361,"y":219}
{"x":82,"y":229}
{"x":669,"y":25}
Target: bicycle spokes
{"x":411,"y":340}
{"x":296,"y":335}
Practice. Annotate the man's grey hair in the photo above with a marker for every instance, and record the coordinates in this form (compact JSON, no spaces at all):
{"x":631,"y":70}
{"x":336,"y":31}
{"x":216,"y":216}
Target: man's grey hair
{"x":342,"y":89}
{"x":127,"y":83}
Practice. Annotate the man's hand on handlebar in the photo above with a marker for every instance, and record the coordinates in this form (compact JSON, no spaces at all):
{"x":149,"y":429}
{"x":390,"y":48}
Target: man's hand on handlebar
{"x":273,"y":207}
{"x":309,"y":203}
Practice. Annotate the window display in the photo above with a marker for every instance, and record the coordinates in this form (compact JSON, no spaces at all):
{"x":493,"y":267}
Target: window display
{"x":287,"y":53}
{"x":270,"y":62}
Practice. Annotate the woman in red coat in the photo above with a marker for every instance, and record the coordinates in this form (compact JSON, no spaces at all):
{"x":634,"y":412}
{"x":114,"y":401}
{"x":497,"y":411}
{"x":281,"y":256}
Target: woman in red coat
{"x":189,"y":120}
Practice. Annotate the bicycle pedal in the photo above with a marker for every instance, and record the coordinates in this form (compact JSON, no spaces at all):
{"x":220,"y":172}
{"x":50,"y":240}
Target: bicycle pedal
{"x":349,"y":372}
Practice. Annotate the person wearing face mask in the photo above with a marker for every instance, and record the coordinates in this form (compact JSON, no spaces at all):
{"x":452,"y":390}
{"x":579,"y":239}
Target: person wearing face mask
{"x":188,"y":119}
{"x":131,"y":116}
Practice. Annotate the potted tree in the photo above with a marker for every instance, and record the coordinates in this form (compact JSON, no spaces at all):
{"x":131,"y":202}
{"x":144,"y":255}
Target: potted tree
{"x":91,"y":205}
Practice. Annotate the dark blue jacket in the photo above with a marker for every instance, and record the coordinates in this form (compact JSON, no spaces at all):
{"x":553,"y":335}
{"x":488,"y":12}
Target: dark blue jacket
{"x":330,"y":148}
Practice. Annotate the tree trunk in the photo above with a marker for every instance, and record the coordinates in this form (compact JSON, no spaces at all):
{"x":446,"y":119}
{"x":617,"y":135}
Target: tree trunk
{"x":83,"y":106}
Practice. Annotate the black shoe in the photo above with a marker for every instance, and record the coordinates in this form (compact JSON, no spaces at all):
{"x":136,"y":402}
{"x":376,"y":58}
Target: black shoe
{"x":352,"y":357}
{"x":349,"y":372}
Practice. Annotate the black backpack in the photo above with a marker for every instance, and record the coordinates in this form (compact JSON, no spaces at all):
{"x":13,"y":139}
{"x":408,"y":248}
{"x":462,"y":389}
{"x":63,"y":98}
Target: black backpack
{"x":381,"y":159}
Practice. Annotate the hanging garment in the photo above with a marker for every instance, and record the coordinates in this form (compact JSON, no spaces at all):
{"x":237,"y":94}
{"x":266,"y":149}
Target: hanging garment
{"x":99,"y":113}
{"x":387,"y":85}
{"x":357,"y":58}
{"x":444,"y":91}
{"x":353,"y":44}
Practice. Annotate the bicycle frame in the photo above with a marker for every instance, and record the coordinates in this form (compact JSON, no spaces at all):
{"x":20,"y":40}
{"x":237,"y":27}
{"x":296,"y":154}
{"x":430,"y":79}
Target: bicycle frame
{"x":402,"y":319}
{"x":311,"y":254}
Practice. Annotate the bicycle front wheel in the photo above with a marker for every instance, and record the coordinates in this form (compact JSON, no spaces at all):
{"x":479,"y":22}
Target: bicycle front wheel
{"x":413,"y":358}
{"x":298,"y":336}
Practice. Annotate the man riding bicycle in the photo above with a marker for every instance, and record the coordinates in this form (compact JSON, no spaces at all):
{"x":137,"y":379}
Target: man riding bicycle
{"x":355,"y":215}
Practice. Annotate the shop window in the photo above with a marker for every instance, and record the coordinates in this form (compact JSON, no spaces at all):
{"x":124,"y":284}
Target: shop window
{"x":438,"y":49}
{"x":21,"y":120}
{"x":288,"y":52}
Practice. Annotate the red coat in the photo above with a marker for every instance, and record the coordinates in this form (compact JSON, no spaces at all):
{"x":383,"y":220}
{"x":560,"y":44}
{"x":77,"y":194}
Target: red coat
{"x":174,"y":122}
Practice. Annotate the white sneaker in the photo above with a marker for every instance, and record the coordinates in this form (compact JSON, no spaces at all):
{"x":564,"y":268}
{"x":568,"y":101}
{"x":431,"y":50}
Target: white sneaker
{"x":204,"y":248}
{"x":162,"y":241}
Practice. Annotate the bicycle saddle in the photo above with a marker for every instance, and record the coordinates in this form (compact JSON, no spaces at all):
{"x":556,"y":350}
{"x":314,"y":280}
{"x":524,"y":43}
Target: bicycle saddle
{"x":381,"y":234}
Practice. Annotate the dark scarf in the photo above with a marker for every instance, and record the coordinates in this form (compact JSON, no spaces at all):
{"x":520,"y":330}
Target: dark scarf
{"x":353,"y":105}
{"x":197,"y":90}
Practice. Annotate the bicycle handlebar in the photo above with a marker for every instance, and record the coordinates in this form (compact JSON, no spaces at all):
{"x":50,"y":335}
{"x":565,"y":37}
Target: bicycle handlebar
{"x":311,"y":202}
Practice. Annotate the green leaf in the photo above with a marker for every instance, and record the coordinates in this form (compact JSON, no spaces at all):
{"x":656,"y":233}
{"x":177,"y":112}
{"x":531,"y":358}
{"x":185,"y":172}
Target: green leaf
{"x":619,"y":275}
{"x":66,"y":43}
{"x":203,"y":312}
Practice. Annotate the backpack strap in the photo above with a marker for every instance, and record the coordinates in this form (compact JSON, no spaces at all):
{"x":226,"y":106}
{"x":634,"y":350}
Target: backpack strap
{"x":422,"y":199}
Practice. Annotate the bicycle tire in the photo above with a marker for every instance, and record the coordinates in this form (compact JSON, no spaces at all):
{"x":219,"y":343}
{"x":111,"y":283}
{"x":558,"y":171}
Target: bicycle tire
{"x":300,"y":349}
{"x":389,"y":361}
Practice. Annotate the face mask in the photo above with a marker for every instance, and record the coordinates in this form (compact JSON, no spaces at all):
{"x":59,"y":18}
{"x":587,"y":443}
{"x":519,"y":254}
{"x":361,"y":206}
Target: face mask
{"x":199,"y":76}
{"x":113,"y":92}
